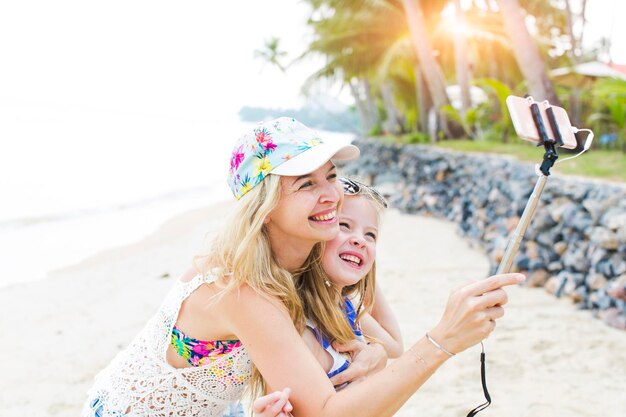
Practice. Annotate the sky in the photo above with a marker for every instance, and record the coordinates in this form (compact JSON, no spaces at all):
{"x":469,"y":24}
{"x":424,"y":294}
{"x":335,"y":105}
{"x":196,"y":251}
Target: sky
{"x":605,"y":18}
{"x":182,"y":59}
{"x":179,"y":58}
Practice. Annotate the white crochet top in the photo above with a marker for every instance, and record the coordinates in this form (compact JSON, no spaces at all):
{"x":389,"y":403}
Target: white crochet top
{"x":140,"y":382}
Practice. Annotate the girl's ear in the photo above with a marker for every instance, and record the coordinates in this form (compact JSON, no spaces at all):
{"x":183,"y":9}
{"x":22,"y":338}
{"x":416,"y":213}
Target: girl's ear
{"x":266,"y":220}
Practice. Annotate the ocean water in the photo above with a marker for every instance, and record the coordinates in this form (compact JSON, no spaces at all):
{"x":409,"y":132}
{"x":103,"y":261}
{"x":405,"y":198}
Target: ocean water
{"x":76,"y":180}
{"x":115,"y":118}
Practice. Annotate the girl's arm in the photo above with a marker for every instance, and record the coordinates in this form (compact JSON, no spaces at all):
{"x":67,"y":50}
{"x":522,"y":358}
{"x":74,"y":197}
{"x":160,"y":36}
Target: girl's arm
{"x":275,"y":404}
{"x":282,"y":357}
{"x":382,"y":325}
{"x":322,"y":357}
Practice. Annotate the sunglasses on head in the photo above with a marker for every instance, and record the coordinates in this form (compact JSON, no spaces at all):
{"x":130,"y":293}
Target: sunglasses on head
{"x":352,"y":187}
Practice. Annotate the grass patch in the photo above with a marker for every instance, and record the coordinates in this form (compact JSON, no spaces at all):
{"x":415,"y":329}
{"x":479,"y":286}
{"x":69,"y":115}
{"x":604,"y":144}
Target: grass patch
{"x":595,"y":163}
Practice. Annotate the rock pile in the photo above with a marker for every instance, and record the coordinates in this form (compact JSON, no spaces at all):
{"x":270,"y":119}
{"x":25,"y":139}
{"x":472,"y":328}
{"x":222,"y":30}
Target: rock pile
{"x":575,"y":246}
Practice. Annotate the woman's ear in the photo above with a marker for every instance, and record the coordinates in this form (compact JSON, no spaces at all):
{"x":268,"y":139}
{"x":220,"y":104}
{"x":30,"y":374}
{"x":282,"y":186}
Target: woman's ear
{"x":266,"y":220}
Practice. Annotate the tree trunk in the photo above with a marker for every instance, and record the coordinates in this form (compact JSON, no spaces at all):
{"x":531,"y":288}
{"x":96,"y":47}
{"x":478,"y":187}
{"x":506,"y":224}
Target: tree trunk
{"x":393,"y":124}
{"x":424,"y":102}
{"x":526,"y":53}
{"x":421,"y":41}
{"x":460,"y":59}
{"x":366,"y":122}
{"x":370,"y":101}
{"x":569,"y":19}
{"x":584,"y":21}
{"x":492,"y":56}
{"x":575,"y":108}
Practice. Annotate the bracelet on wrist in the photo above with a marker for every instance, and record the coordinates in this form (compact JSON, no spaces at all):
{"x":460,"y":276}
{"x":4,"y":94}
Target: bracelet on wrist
{"x":438,"y":346}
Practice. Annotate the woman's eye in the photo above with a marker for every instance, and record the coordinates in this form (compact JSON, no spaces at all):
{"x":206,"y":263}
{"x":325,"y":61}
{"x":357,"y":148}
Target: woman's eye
{"x":332,"y":177}
{"x":305,"y":185}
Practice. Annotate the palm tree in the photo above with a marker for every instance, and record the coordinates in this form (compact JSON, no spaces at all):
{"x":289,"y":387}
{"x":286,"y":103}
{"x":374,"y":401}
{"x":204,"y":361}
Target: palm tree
{"x":526,"y":52}
{"x":575,"y":54}
{"x":272,"y":53}
{"x":460,"y":58}
{"x":354,"y":39}
{"x":421,"y":41}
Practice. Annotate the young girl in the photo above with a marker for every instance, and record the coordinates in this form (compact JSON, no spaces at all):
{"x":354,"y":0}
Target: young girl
{"x":348,"y":277}
{"x":195,"y":356}
{"x":348,"y":274}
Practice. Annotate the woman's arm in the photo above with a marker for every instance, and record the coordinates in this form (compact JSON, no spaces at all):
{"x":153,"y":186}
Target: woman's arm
{"x":382,"y":325}
{"x":284,"y":360}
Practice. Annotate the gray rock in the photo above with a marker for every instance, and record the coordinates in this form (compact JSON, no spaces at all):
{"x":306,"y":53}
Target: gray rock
{"x":576,"y":191}
{"x":559,"y":206}
{"x":560,"y":247}
{"x":543,"y":220}
{"x":602,"y":300}
{"x":552,"y":285}
{"x":596,"y":208}
{"x":550,"y":237}
{"x":596,"y":254}
{"x":574,"y":257}
{"x":580,"y":294}
{"x":611,"y":267}
{"x":614,"y":218}
{"x":596,"y":281}
{"x":388,"y":177}
{"x":538,"y":278}
{"x":604,"y":237}
{"x":555,"y":267}
{"x":618,"y":264}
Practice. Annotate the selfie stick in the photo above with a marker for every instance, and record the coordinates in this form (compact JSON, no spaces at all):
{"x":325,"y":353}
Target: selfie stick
{"x":543,"y":171}
{"x":549,"y":158}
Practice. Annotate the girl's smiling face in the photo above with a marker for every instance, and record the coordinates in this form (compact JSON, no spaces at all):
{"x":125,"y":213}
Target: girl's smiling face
{"x":350,"y":256}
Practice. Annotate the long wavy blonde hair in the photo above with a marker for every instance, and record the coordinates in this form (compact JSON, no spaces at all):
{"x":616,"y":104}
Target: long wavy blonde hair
{"x":242,"y":253}
{"x":324,"y":304}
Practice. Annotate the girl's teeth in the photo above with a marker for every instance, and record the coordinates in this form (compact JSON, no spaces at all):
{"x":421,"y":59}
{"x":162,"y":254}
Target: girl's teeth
{"x":351,"y":258}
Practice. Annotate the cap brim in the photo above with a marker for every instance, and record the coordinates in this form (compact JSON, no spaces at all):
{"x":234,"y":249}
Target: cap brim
{"x":311,"y":159}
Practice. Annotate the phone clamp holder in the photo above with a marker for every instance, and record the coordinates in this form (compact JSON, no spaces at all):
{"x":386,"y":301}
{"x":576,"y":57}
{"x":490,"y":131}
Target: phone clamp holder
{"x":550,"y":157}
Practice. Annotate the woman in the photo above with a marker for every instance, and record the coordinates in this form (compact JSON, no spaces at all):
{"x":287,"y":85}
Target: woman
{"x":243,"y":307}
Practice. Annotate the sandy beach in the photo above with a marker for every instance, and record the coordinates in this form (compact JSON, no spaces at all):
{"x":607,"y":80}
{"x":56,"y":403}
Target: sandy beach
{"x":544,"y":359}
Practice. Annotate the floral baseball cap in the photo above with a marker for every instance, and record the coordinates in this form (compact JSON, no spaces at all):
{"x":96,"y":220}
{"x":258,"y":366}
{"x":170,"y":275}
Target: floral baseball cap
{"x":282,"y":146}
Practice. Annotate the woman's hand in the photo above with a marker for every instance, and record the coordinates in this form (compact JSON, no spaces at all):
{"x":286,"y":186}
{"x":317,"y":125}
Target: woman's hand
{"x":366,"y":359}
{"x":471,"y":313}
{"x":275,"y":404}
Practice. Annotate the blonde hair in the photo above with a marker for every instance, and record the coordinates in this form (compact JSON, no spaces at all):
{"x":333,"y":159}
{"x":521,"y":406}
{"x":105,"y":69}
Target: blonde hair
{"x":325,"y":305}
{"x":242,"y":252}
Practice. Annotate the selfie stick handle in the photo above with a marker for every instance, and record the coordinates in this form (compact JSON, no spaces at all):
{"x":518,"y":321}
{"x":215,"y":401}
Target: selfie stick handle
{"x":520,"y":230}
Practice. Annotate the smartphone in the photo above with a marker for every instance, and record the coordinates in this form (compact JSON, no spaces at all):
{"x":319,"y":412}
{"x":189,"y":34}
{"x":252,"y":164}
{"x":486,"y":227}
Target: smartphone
{"x":519,"y":109}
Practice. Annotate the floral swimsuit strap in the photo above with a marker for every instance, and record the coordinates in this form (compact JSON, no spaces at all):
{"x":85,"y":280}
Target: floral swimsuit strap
{"x":198,"y":352}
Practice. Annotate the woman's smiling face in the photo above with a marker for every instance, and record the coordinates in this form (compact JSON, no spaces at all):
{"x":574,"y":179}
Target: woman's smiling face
{"x":308,"y":207}
{"x":350,"y":256}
